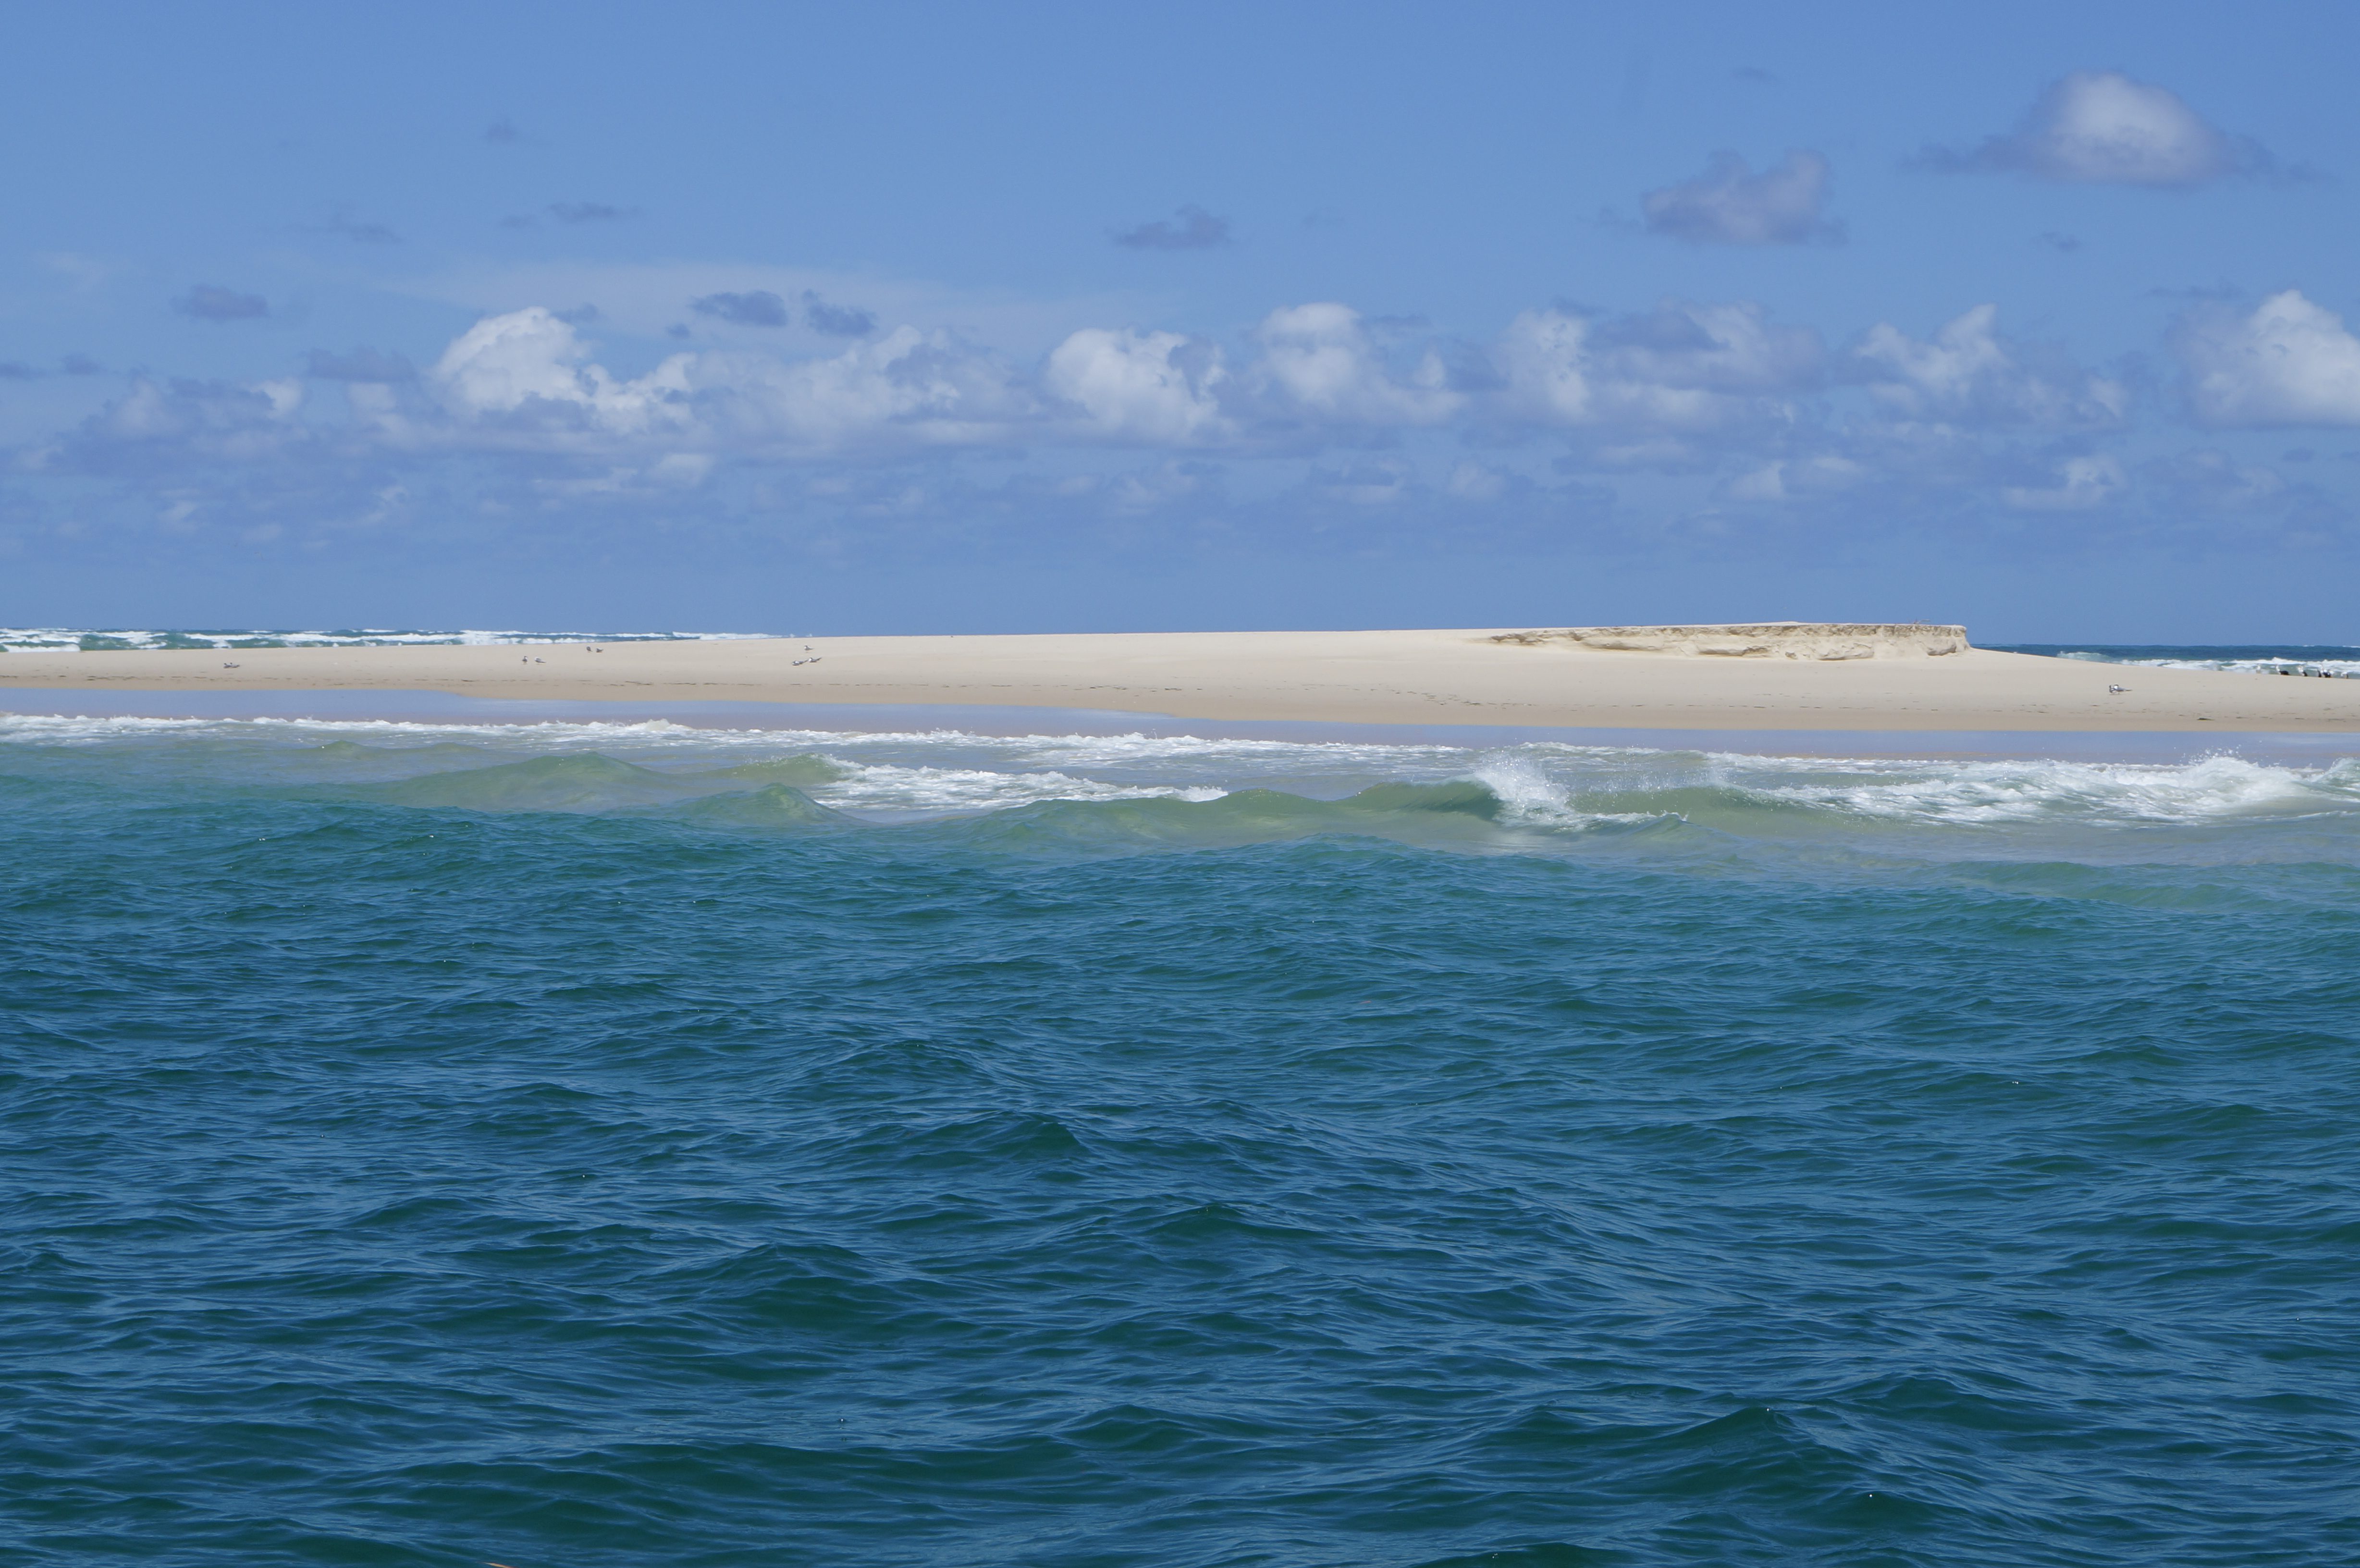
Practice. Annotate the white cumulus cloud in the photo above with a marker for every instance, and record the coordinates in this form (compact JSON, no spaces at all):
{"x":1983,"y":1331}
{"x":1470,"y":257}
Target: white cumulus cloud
{"x":1730,"y":204}
{"x":1152,"y":387}
{"x":529,"y":361}
{"x":1683,"y":368}
{"x":1371,"y":416}
{"x":2292,"y":362}
{"x":524,"y":378}
{"x":906,"y":389}
{"x":2100,"y":127}
{"x":1966,"y":374}
{"x":1320,"y":359}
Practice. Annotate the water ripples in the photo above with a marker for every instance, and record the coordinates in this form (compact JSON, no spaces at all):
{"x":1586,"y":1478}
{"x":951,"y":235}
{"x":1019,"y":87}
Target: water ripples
{"x":506,"y":1152}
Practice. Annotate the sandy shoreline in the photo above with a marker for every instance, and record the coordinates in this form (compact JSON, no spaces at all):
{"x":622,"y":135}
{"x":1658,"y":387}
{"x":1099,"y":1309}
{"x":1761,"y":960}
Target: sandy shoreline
{"x":1464,"y":677}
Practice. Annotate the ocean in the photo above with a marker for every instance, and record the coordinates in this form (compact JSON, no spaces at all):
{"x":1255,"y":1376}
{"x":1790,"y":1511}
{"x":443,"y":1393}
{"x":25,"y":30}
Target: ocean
{"x":575,"y":1144}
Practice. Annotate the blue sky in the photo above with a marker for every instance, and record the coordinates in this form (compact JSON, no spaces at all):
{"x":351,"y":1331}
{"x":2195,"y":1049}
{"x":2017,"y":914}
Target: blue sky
{"x":917,"y":317}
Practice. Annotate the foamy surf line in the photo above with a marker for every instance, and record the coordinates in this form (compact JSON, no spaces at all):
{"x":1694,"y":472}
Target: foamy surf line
{"x":99,"y":640}
{"x":444,"y":708}
{"x":1130,"y":788}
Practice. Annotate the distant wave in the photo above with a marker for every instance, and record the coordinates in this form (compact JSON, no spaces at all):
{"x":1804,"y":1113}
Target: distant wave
{"x":1091,"y":793}
{"x":2264,"y":659}
{"x":87,"y":639}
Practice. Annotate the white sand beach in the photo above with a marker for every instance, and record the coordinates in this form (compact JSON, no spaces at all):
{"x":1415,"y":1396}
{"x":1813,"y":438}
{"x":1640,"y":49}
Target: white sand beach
{"x":1767,"y":677}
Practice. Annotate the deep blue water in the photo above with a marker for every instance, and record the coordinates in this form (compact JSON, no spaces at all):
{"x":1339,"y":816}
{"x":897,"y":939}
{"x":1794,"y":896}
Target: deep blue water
{"x":573,"y":1145}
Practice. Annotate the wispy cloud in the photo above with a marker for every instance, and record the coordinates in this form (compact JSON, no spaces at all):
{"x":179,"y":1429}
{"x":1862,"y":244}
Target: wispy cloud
{"x":157,"y":426}
{"x":836,"y":320}
{"x":209,"y":303}
{"x":572,"y":212}
{"x":1730,"y":204}
{"x":85,"y":273}
{"x":2210,"y":480}
{"x":755,"y":307}
{"x":2076,"y":484}
{"x":355,"y":229}
{"x":590,"y":213}
{"x":1189,"y":228}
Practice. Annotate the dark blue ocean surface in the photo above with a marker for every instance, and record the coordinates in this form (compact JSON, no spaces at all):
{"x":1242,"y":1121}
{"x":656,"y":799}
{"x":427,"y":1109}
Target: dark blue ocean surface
{"x":572,"y":1146}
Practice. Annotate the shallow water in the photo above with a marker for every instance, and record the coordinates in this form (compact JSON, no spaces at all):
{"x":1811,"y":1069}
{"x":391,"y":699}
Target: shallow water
{"x":579,"y":1144}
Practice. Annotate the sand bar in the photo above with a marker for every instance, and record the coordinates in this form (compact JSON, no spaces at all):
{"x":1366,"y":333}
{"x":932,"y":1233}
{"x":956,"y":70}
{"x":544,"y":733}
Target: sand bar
{"x":1756,"y":678}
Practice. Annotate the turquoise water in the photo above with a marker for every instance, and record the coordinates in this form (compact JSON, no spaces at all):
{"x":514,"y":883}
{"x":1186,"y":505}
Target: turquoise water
{"x":574,"y":1145}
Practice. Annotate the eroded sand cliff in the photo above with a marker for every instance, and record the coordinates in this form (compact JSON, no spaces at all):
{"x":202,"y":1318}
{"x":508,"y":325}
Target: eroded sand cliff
{"x":1763,"y":639}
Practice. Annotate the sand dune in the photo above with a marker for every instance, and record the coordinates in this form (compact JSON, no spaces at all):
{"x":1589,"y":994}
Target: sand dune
{"x":1749,"y":678}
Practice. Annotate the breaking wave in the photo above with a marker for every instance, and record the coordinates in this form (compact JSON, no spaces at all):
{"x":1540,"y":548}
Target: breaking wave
{"x":114,"y":640}
{"x":2264,"y":658}
{"x":1096,"y":791}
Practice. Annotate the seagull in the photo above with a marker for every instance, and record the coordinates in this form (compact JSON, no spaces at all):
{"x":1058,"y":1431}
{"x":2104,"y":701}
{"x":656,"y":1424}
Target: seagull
{"x":2118,"y":688}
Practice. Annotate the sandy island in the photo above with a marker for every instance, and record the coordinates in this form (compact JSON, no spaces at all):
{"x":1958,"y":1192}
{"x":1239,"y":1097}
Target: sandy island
{"x":1791,"y":676}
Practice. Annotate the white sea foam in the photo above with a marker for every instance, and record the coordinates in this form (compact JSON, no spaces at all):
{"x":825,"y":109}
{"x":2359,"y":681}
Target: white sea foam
{"x":1132,"y":752}
{"x":2212,"y":789}
{"x":1530,"y":795}
{"x":900,"y":775}
{"x":2265,"y":664}
{"x":71,"y":729}
{"x":889,"y":789}
{"x":72,"y":639}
